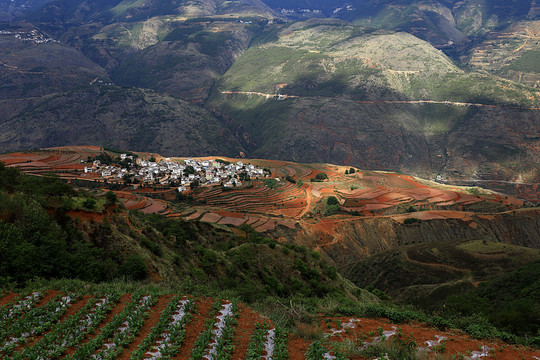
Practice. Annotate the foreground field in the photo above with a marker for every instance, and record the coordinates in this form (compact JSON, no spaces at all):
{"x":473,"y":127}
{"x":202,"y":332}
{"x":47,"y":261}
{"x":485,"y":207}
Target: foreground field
{"x":53,"y":324}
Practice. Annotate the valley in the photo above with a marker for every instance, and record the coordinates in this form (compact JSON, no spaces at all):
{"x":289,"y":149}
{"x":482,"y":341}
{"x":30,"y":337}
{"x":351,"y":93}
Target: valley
{"x":366,"y":88}
{"x":269,"y":179}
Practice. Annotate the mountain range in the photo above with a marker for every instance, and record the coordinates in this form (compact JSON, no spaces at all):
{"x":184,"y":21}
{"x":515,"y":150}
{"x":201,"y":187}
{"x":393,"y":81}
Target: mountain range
{"x":446,"y":88}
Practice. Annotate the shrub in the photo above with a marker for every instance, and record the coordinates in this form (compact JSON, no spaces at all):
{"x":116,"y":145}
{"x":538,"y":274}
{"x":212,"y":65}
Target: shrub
{"x":319,"y":177}
{"x":152,"y":246}
{"x":396,"y":348}
{"x":89,"y":203}
{"x":290,"y":179}
{"x":111,"y":198}
{"x":332,"y":200}
{"x":411,"y":221}
{"x":441,"y":323}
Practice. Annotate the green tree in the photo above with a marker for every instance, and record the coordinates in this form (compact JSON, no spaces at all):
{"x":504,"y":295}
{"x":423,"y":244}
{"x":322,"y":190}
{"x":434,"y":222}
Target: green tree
{"x":89,"y":203}
{"x":332,"y":200}
{"x":194,"y":184}
{"x":111,"y":198}
{"x":134,"y":268}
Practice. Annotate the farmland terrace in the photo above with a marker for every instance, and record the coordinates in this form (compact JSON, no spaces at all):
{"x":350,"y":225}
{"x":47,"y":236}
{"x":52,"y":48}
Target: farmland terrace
{"x":298,"y":201}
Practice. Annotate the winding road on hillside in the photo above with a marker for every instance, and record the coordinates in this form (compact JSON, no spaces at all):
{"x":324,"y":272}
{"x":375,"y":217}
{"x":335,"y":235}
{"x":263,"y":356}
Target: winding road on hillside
{"x":416,"y":102}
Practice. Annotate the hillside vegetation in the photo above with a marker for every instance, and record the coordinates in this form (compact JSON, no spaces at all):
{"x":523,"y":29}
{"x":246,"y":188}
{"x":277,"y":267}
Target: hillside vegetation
{"x":54,"y":232}
{"x":348,"y":98}
{"x":467,"y":280}
{"x":122,"y":118}
{"x":50,"y":230}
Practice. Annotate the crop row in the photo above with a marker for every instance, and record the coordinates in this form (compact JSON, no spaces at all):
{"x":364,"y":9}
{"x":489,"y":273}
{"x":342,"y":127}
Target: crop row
{"x":46,"y":332}
{"x":215,"y":342}
{"x":169,"y":333}
{"x":35,"y":322}
{"x":70,"y":332}
{"x":118,"y":333}
{"x":317,"y":351}
{"x":17,"y":308}
{"x":267,"y":343}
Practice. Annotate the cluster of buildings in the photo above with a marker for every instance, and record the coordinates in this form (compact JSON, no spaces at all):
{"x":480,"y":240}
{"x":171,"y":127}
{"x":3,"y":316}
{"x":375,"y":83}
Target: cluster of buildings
{"x":301,"y":11}
{"x":181,"y":175}
{"x":33,"y":36}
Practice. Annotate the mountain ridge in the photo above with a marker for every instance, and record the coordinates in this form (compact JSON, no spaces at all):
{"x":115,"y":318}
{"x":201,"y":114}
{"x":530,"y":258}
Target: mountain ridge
{"x":220,"y":56}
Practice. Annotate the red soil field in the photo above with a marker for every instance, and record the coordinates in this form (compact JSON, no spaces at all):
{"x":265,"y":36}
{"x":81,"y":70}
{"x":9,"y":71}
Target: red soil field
{"x":232,"y":221}
{"x":211,"y":217}
{"x":456,"y":342}
{"x":126,"y":298}
{"x":244,"y":330}
{"x":70,"y":311}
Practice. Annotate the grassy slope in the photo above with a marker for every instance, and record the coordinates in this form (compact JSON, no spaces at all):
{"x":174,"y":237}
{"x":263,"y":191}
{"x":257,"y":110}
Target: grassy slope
{"x":98,"y":244}
{"x":183,"y":59}
{"x":323,"y":58}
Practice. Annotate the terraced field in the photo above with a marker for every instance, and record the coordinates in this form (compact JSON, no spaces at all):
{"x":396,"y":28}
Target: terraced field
{"x":57,"y":325}
{"x":289,"y":198}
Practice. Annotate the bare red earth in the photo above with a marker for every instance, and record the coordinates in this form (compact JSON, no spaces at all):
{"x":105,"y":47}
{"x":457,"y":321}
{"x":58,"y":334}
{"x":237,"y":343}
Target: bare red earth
{"x":297,"y":348}
{"x":456,"y":342}
{"x":50,"y":294}
{"x":85,"y":216}
{"x":242,"y":335}
{"x":7,"y":298}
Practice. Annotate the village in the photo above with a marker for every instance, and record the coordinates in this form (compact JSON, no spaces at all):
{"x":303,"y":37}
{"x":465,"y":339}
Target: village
{"x":32,"y":36}
{"x":184,"y":176}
